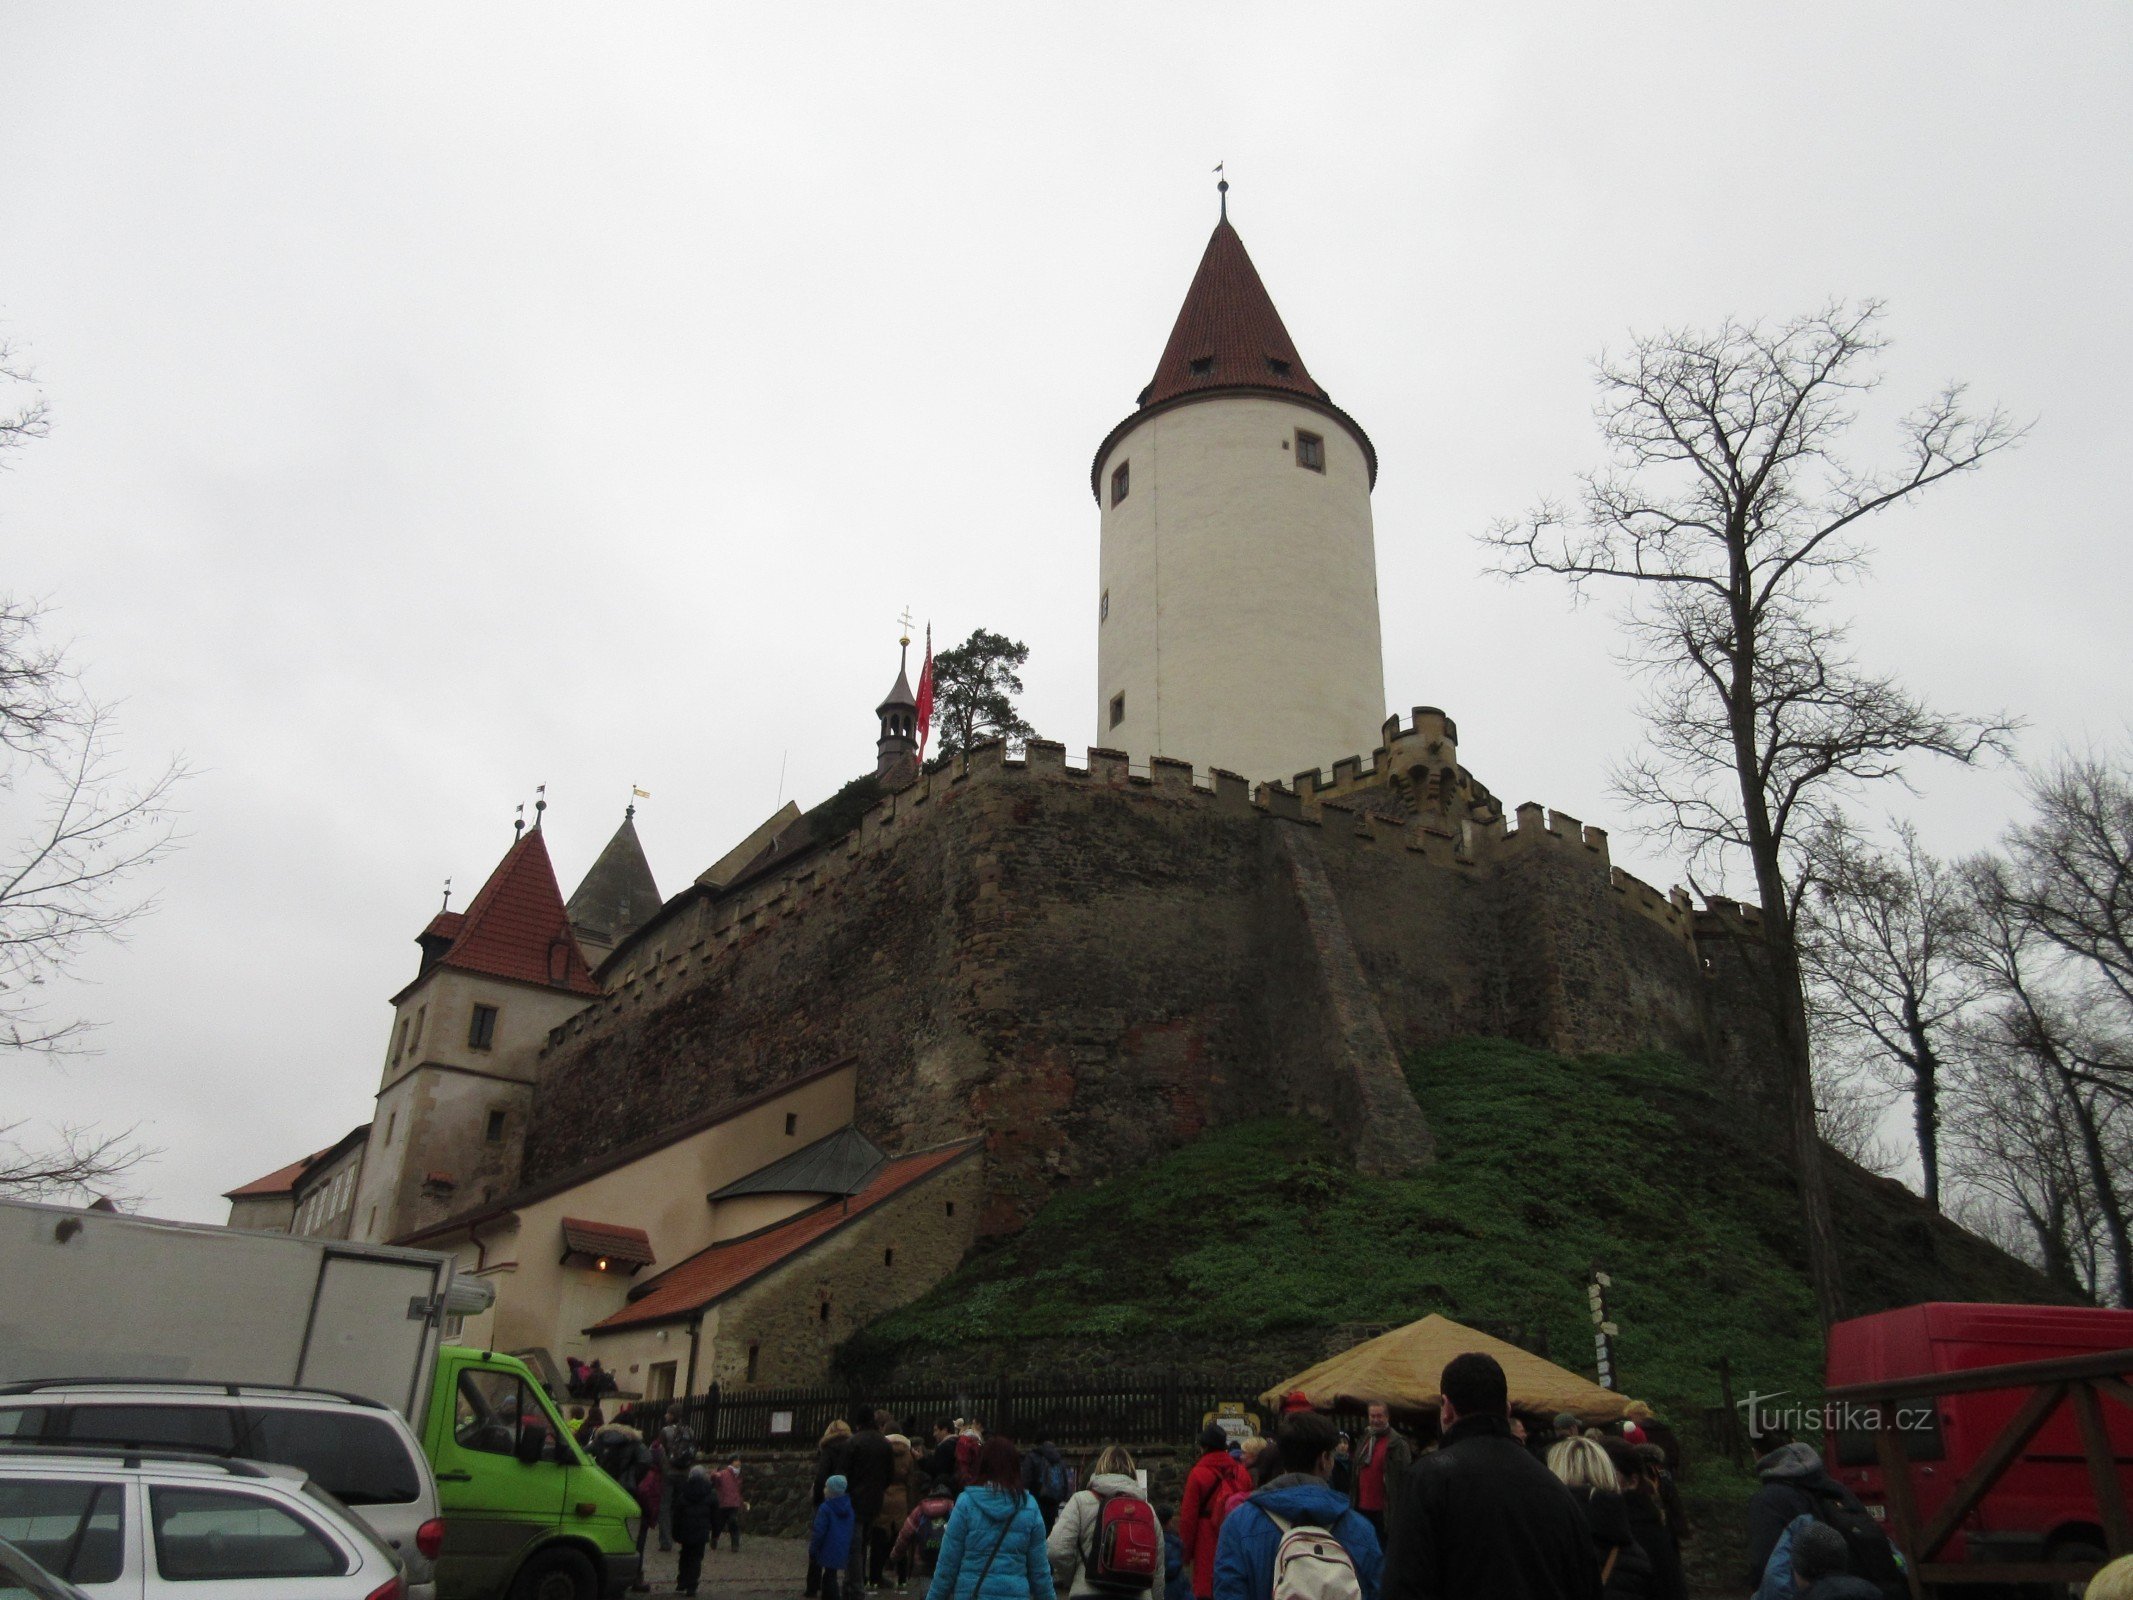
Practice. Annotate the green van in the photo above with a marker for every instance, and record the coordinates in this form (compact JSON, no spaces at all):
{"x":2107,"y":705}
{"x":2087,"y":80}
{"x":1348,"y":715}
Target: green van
{"x":527,"y":1516}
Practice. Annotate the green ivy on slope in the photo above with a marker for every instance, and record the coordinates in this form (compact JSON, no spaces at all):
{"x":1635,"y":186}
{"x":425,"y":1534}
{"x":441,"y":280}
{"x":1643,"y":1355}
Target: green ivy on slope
{"x":1546,"y":1168}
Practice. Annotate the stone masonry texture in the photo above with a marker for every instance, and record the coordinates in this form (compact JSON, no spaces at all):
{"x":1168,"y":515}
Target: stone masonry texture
{"x":1088,"y":969}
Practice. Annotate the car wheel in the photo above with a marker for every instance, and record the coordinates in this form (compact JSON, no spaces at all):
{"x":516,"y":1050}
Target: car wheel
{"x":556,"y":1575}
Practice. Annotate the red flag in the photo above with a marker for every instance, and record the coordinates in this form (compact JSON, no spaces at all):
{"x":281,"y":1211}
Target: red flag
{"x":925,"y":695}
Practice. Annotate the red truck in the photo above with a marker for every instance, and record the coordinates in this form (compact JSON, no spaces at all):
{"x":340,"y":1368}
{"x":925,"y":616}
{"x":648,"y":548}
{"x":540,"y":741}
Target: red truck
{"x":2042,"y":1507}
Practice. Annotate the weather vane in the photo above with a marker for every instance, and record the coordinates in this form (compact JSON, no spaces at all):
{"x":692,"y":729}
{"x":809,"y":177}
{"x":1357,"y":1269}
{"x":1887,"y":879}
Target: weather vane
{"x":447,"y":896}
{"x":1222,"y":187}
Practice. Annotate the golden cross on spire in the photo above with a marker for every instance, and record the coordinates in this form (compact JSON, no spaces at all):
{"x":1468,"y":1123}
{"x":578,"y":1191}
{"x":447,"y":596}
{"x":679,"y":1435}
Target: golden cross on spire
{"x":905,"y":622}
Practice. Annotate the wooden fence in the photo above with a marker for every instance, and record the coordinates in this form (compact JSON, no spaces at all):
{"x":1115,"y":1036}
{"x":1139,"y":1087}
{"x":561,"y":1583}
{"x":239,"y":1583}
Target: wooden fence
{"x":1127,"y":1408}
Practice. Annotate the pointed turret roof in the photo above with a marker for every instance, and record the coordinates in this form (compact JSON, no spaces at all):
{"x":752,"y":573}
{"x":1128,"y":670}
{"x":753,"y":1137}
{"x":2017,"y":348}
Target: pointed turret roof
{"x":900,"y":694}
{"x":516,"y":926}
{"x":1229,"y":339}
{"x":618,"y":896}
{"x":1228,"y":334}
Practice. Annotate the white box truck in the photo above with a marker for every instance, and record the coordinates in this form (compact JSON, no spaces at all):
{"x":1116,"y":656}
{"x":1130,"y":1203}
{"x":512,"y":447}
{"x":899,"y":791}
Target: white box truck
{"x":104,"y":1315}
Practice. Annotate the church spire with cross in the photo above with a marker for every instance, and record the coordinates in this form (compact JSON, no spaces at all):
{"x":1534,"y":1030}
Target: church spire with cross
{"x":896,"y":750}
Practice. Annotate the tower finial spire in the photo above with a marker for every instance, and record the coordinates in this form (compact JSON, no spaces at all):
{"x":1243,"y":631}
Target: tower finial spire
{"x":518,"y":822}
{"x":540,"y":804}
{"x":447,"y":896}
{"x":903,"y":642}
{"x":1222,"y":188}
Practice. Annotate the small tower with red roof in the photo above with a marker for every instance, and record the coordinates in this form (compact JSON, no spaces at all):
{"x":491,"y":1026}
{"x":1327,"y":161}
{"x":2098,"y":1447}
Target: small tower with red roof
{"x":459,"y":1066}
{"x":1237,"y":620}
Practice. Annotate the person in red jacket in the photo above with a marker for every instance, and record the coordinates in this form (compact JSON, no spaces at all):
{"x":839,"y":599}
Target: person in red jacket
{"x":1216,"y":1480}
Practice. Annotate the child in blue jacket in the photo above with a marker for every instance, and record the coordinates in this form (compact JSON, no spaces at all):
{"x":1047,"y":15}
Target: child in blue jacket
{"x":1177,"y":1582}
{"x":830,"y":1544}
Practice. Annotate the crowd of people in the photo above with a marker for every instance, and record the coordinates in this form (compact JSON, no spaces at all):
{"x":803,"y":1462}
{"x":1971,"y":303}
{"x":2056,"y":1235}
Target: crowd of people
{"x":1498,"y":1505}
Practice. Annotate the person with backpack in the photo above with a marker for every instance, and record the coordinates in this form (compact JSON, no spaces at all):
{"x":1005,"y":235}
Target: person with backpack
{"x":1794,"y":1484}
{"x":896,"y":1503}
{"x":1625,"y":1565}
{"x":1107,"y":1539}
{"x":830,"y":1457}
{"x":994,"y":1546}
{"x":830,"y":1540}
{"x":1822,"y":1570}
{"x":679,"y":1442}
{"x":1298,"y":1538}
{"x":1478,"y":1518}
{"x":969,"y":1445}
{"x":1217,"y":1480}
{"x":918,"y":1542}
{"x":1047,"y":1477}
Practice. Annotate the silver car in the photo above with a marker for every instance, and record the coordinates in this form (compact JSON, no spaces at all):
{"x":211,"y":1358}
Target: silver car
{"x":135,"y":1525}
{"x":361,"y":1453}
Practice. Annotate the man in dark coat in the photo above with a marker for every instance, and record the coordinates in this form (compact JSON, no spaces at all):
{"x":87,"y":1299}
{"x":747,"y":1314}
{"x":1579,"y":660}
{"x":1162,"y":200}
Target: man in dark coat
{"x":1479,"y":1518}
{"x":868,"y":1466}
{"x":1793,"y":1482}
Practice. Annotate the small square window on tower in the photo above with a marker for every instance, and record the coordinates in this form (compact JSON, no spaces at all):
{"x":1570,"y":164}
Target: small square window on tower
{"x":496,"y":1127}
{"x":1310,"y":451}
{"x":1277,"y":366}
{"x":1118,"y":708}
{"x":481,"y":1032}
{"x":792,"y":1123}
{"x":1203,"y":366}
{"x":1121,"y":481}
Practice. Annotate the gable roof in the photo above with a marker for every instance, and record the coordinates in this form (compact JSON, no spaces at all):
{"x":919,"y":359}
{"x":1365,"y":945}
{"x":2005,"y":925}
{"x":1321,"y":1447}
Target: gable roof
{"x":282,"y":1180}
{"x":286,"y":1180}
{"x":621,"y":1156}
{"x":712,"y":1274}
{"x":618,"y":895}
{"x":516,"y":927}
{"x":839,"y":1163}
{"x":613,"y":1240}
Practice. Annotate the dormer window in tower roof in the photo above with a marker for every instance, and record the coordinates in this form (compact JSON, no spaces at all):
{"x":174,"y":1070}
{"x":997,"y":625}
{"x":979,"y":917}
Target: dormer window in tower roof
{"x":1277,"y":366}
{"x":1203,"y":366}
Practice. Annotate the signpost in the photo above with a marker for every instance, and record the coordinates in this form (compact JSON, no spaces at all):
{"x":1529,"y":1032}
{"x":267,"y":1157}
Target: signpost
{"x":1603,"y":1331}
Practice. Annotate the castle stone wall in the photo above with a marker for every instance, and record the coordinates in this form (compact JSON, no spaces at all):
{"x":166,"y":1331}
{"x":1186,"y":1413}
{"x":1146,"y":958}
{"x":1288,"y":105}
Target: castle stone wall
{"x":1089,"y":966}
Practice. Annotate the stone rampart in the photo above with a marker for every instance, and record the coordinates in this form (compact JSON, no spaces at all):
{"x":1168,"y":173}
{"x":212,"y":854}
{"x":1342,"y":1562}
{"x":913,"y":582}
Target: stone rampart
{"x":1088,"y":964}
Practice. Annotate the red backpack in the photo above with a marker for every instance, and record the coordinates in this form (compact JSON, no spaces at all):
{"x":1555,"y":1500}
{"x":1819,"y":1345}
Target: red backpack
{"x":1126,"y":1556}
{"x":1226,"y":1498}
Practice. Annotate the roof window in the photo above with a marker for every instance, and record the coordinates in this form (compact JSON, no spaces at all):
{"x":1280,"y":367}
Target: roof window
{"x":1277,"y":366}
{"x":1202,"y":366}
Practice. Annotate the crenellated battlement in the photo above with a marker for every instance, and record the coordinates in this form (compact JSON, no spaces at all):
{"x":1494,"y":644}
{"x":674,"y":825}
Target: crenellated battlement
{"x":1445,"y":817}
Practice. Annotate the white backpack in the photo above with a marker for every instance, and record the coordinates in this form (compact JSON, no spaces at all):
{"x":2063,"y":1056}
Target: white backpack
{"x":1311,"y":1565}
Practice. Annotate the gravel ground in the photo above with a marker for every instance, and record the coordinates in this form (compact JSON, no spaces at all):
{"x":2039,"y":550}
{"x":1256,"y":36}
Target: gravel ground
{"x":764,"y":1567}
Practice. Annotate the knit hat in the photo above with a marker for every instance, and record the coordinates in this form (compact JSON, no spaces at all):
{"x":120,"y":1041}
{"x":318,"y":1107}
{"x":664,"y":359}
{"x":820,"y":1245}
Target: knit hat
{"x":1566,"y":1422}
{"x":836,"y":1484}
{"x":1819,"y":1551}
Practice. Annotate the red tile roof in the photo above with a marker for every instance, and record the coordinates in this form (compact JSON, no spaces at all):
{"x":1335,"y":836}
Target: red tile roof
{"x":714,"y":1273}
{"x":516,"y":926}
{"x":282,"y":1180}
{"x":1229,"y":323}
{"x":1228,"y":336}
{"x":631,"y":1246}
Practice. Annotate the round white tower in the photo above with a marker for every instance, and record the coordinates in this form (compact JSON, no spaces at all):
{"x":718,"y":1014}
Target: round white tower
{"x":1238,"y":613}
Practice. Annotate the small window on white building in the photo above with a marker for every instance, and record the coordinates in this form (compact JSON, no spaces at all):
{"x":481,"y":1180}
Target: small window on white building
{"x":496,"y":1127}
{"x":1118,"y":708}
{"x":391,"y":1122}
{"x":481,"y":1032}
{"x":1121,"y":481}
{"x":1103,"y":607}
{"x":420,"y":1015}
{"x":1310,"y":451}
{"x":792,"y":1123}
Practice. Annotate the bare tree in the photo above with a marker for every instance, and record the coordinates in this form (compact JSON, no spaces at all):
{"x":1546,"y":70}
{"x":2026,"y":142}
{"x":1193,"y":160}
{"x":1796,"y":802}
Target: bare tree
{"x":74,"y":1163}
{"x":2071,"y":884}
{"x":1880,"y":946}
{"x":67,"y":881}
{"x":2028,"y":1025}
{"x":1728,"y":512}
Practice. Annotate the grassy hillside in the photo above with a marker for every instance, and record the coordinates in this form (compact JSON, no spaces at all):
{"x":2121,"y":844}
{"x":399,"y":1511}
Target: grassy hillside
{"x":1247,"y":1246}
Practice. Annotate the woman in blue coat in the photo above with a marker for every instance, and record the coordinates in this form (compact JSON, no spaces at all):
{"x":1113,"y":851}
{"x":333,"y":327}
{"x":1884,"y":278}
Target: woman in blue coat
{"x":994,"y":1546}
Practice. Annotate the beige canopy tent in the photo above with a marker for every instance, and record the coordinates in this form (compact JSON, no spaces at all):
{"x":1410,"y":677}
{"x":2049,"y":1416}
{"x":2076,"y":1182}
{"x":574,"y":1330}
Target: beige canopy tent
{"x":1402,"y":1367}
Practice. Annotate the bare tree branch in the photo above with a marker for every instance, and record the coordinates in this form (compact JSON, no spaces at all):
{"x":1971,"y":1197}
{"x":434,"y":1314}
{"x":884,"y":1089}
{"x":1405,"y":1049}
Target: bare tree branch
{"x":1726,"y":507}
{"x":74,"y":1162}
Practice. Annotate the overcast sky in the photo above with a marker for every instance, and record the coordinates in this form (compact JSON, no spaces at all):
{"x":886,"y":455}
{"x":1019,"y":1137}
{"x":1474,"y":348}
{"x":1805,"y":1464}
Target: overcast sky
{"x":450,"y":399}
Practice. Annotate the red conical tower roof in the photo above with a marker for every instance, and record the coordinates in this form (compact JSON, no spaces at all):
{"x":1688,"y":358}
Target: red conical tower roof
{"x":1229,"y":339}
{"x":1228,"y":334}
{"x":516,"y":926}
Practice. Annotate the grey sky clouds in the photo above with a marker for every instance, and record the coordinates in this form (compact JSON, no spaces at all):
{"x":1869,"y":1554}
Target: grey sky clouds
{"x":449,"y":399}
